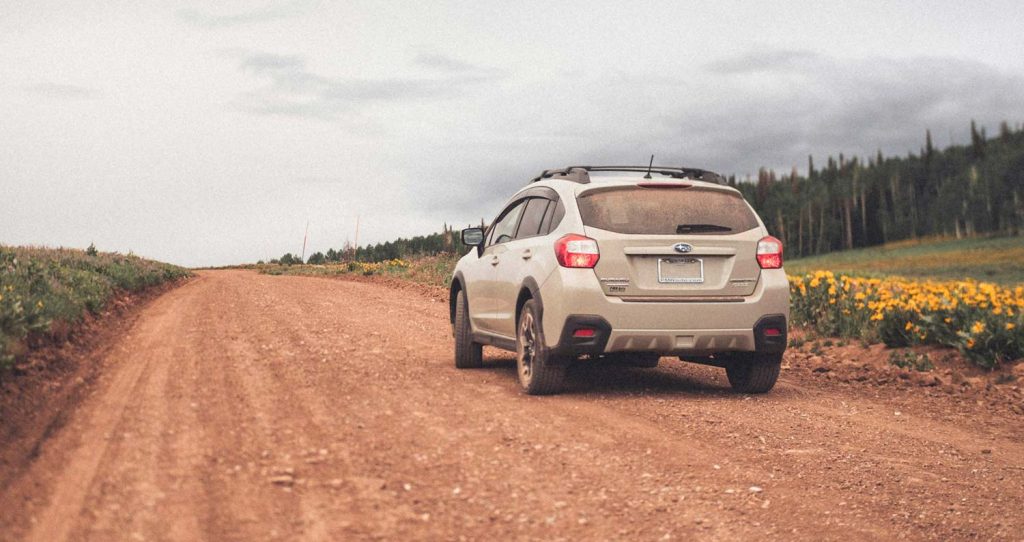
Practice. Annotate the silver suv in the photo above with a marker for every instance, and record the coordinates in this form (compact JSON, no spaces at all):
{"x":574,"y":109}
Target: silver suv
{"x":599,"y":262}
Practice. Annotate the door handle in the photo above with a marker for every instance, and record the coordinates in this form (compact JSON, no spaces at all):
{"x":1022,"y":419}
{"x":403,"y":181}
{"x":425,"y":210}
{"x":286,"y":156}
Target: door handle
{"x":527,"y":254}
{"x":494,"y":260}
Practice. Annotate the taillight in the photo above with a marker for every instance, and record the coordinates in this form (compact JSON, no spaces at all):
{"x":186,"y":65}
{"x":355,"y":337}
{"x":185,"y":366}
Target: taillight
{"x":769,"y":253}
{"x":575,"y":250}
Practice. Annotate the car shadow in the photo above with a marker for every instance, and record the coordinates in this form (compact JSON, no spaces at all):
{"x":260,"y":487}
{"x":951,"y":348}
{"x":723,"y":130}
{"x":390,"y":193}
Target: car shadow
{"x":607,"y":379}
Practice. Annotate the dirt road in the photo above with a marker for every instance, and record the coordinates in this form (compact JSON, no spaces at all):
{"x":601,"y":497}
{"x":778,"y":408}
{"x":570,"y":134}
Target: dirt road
{"x":252,"y":407}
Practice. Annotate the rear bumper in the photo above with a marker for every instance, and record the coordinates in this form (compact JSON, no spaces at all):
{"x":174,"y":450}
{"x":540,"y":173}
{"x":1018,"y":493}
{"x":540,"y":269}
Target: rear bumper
{"x":758,"y":324}
{"x":767,"y":336}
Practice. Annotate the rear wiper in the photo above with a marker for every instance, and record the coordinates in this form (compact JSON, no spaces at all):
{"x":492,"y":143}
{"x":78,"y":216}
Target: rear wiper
{"x":698,"y":228}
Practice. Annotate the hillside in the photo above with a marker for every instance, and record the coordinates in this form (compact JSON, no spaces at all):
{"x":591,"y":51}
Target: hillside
{"x":998,"y":260}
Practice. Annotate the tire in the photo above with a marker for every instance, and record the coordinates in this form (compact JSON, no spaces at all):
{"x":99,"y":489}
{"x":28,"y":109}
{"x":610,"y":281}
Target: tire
{"x":468,"y":354}
{"x":539,"y":372}
{"x":754,"y":374}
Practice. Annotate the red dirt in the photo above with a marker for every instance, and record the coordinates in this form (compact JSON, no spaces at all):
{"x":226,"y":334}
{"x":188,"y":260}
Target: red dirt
{"x":243,"y":406}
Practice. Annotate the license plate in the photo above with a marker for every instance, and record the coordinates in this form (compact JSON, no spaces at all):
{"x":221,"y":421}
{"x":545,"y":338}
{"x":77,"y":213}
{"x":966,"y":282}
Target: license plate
{"x":681,"y":270}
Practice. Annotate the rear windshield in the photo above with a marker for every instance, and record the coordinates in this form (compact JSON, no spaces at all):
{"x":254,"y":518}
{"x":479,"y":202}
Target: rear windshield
{"x":664,"y":211}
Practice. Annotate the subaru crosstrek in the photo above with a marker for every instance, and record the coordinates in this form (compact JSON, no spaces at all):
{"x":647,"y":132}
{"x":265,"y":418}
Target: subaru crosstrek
{"x":599,"y":262}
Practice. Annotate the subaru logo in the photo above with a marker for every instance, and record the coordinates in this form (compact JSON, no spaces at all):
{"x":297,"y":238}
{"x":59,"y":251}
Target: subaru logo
{"x":682,"y":247}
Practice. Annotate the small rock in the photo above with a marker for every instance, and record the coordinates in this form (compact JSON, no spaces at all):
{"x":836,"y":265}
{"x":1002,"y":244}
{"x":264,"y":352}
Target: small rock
{"x":282,"y":480}
{"x":756,"y":489}
{"x":986,"y":450}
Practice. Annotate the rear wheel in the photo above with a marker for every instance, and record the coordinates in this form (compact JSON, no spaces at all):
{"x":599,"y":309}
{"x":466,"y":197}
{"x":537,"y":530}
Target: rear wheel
{"x":468,"y":354}
{"x":756,"y":373}
{"x":539,"y":373}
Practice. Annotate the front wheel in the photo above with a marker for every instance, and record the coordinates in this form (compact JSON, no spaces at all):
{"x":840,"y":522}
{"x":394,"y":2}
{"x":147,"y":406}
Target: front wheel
{"x":539,"y":372}
{"x":755,"y":373}
{"x":468,"y":354}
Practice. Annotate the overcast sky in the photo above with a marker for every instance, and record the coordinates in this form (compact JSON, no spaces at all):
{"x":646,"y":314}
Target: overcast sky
{"x":207,"y":134}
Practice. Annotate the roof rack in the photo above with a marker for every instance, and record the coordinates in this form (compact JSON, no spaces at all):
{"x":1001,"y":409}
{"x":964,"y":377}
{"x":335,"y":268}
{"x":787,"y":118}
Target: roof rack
{"x":581,"y":174}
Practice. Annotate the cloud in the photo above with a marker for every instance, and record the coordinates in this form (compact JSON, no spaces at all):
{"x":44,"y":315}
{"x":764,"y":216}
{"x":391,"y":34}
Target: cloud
{"x":291,"y":88}
{"x":445,"y":63}
{"x":61,"y":91}
{"x":764,"y":61}
{"x":774,"y":108}
{"x":769,"y":109}
{"x":269,"y":13}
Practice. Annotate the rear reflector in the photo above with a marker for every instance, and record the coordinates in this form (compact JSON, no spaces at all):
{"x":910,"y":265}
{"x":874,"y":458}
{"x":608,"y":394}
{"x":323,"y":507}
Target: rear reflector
{"x":574,"y":250}
{"x":772,"y":332}
{"x":584,"y":332}
{"x":769,"y":253}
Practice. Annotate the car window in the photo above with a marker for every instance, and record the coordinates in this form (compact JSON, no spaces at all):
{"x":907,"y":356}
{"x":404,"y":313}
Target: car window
{"x":505,"y":227}
{"x":637,"y":210}
{"x":529,"y":226}
{"x":552,"y":217}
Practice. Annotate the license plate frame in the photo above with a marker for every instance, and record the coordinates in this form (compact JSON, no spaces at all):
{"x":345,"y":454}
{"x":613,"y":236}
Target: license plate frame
{"x":663,"y":279}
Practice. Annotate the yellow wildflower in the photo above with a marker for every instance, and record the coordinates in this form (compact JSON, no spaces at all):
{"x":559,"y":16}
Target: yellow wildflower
{"x":978,"y":327}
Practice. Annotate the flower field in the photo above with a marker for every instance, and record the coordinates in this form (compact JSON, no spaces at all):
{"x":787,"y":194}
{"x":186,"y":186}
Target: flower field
{"x":984,"y":321}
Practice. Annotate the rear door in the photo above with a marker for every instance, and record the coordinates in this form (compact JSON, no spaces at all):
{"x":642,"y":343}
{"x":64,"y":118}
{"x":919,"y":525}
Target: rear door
{"x":672,"y":242}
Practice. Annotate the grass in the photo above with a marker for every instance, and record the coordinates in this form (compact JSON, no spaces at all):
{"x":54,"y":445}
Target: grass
{"x":45,"y":292}
{"x":430,"y":270}
{"x":999,"y":260}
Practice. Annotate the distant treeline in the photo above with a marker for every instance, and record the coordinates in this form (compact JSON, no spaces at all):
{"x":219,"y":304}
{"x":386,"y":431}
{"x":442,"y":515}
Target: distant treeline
{"x":447,"y":240}
{"x":962,"y":191}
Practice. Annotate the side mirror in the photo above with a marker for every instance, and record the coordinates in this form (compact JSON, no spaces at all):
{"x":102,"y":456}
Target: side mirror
{"x":473,"y":237}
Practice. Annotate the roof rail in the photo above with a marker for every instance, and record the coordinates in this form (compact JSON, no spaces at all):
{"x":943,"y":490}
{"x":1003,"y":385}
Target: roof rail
{"x":581,"y":174}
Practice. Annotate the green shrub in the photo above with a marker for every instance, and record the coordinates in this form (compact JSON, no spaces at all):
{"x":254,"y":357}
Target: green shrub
{"x":907,"y":359}
{"x":40,"y":287}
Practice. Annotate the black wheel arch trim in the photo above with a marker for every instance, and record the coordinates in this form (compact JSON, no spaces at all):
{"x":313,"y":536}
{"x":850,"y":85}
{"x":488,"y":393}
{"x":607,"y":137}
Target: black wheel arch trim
{"x":530,"y":285}
{"x":458,"y":284}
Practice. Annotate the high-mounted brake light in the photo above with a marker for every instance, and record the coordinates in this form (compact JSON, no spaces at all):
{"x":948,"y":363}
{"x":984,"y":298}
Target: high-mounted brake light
{"x":769,"y":253}
{"x":574,"y":250}
{"x":664,"y":185}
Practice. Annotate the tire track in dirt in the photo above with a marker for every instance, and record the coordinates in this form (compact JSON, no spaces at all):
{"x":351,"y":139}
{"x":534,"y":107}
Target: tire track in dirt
{"x":107,"y":413}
